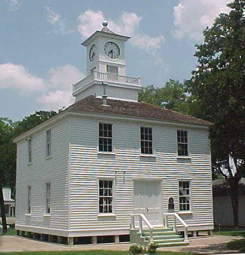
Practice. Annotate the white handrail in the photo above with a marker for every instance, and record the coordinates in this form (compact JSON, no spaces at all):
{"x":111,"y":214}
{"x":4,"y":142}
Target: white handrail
{"x":141,"y":218}
{"x":98,"y":76}
{"x":176,"y":216}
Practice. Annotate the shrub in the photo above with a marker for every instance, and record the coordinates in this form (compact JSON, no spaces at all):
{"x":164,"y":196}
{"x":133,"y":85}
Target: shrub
{"x":152,"y":248}
{"x":135,"y":249}
{"x":236,"y":245}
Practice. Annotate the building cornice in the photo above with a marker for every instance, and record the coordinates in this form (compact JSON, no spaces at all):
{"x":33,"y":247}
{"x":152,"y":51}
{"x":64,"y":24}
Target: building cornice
{"x":63,"y":115}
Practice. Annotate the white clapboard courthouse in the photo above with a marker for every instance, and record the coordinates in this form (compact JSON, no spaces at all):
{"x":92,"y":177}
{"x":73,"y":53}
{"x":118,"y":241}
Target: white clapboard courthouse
{"x":108,"y":165}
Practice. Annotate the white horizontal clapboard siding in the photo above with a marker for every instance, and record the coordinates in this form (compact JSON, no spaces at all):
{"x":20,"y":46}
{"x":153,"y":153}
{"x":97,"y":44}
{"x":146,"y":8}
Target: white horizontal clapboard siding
{"x":87,"y":166}
{"x":76,"y":166}
{"x":37,"y":173}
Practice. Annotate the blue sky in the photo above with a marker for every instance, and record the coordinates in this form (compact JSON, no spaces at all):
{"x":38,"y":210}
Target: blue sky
{"x":41,"y":54}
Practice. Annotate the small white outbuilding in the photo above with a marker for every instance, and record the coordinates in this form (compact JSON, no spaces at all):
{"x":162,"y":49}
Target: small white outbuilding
{"x":108,"y":162}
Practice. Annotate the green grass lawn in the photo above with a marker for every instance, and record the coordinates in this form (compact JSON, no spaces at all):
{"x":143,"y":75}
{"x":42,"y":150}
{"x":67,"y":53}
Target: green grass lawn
{"x":231,"y":232}
{"x":95,"y":252}
{"x":235,"y":244}
{"x":11,"y":231}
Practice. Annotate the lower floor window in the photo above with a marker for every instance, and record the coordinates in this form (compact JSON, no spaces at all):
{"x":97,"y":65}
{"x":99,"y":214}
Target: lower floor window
{"x":184,"y":195}
{"x":105,"y":196}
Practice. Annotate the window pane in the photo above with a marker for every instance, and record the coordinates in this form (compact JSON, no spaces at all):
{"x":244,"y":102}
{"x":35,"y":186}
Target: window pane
{"x":105,"y":137}
{"x":146,"y":140}
{"x":105,"y":196}
{"x":184,"y":195}
{"x":182,"y":143}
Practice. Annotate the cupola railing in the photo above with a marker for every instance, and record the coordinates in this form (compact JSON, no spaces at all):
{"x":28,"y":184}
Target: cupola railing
{"x":109,"y":77}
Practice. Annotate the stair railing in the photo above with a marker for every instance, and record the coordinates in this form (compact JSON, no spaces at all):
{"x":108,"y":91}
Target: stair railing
{"x":176,"y":217}
{"x":141,"y":218}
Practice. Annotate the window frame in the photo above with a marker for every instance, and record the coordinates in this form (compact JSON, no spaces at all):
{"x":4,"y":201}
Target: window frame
{"x":48,"y":143}
{"x":185,"y":143}
{"x":188,"y":196}
{"x":113,"y":196}
{"x":47,"y":198}
{"x":111,"y":75}
{"x":29,"y":199}
{"x":145,"y":140}
{"x":29,"y":149}
{"x":108,"y":138}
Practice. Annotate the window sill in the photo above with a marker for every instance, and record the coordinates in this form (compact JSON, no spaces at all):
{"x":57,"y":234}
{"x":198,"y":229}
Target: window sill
{"x":183,"y":157}
{"x":47,"y":215}
{"x":148,"y":155}
{"x":106,"y":153}
{"x":28,"y":214}
{"x":106,"y":215}
{"x":49,"y":157}
{"x":185,"y":212}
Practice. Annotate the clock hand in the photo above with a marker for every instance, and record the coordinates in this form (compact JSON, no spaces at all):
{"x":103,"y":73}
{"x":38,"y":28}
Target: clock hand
{"x":110,"y":53}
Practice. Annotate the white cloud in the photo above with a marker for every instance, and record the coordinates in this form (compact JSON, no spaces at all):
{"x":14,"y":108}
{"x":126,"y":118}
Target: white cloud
{"x":58,"y":23}
{"x":52,"y":16}
{"x":63,"y":76}
{"x":59,"y":93}
{"x":127,"y":24}
{"x":55,"y":100}
{"x":53,"y":93}
{"x":17,"y":77}
{"x":191,"y":17}
{"x":146,"y":42}
{"x":89,"y":22}
{"x":13,"y":4}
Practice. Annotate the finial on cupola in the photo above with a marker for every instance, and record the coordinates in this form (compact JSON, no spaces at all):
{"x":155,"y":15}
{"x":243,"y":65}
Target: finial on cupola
{"x":105,"y":23}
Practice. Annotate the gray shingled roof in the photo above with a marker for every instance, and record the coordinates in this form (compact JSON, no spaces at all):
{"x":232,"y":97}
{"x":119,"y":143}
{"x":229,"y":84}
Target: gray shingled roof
{"x":92,"y":104}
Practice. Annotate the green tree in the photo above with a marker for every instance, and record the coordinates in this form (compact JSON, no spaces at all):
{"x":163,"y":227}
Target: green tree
{"x":7,"y":153}
{"x":171,"y":96}
{"x":219,"y":85}
{"x":9,"y":130}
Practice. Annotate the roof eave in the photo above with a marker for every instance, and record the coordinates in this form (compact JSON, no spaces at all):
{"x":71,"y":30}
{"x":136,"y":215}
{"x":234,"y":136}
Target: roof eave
{"x":121,"y":116}
{"x":95,"y":34}
{"x":39,"y":127}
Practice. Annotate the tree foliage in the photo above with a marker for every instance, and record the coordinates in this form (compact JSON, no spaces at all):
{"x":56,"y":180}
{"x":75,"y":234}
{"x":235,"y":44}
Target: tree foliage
{"x":172,"y":95}
{"x":219,"y":85}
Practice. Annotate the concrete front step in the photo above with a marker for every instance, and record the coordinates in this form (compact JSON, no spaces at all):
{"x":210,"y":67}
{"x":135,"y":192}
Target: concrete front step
{"x":164,"y":237}
{"x":160,"y":230}
{"x":157,"y":233}
{"x":176,"y":240}
{"x":172,"y":244}
{"x":167,"y":237}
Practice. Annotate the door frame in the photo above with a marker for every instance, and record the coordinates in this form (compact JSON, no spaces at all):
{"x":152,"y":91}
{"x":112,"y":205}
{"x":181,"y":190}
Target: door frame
{"x":161,"y":192}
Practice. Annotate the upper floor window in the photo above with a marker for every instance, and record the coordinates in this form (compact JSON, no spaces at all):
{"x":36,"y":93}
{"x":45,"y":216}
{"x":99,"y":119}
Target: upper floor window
{"x":29,"y":142}
{"x":184,"y":195}
{"x":48,"y":196}
{"x":182,"y":140}
{"x":105,"y":196}
{"x":48,"y":142}
{"x":146,"y":140}
{"x":112,"y":72}
{"x":29,"y":199}
{"x":105,"y":137}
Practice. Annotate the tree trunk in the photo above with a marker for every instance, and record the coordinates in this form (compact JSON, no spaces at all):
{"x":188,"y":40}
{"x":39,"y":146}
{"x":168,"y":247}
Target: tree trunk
{"x":234,"y":195}
{"x":4,"y":222}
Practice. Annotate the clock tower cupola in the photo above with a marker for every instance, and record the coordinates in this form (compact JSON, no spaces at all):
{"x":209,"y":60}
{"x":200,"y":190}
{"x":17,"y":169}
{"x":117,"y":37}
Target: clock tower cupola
{"x":106,"y":66}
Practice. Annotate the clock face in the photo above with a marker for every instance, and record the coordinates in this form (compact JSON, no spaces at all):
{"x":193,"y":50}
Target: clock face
{"x":112,"y":50}
{"x":92,"y":52}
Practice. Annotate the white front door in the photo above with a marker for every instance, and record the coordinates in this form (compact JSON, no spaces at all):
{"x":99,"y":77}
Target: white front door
{"x":147,"y":200}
